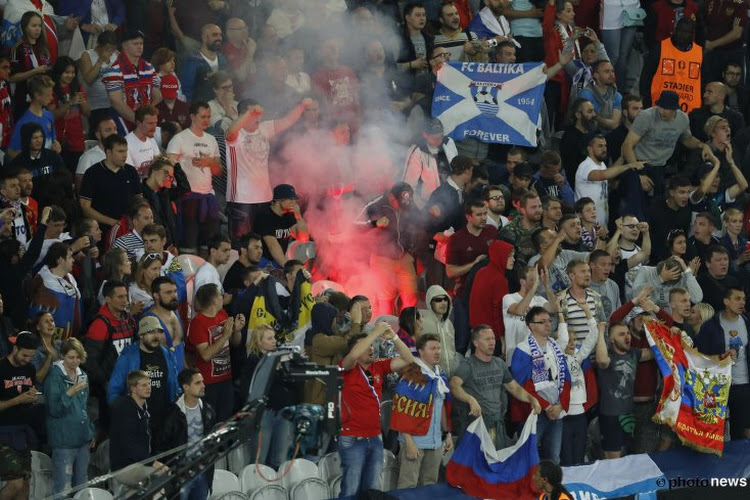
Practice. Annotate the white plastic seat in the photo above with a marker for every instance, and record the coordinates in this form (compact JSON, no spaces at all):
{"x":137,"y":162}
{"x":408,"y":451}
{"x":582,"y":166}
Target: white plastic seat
{"x":232,"y":495}
{"x":312,"y":488}
{"x":251,"y":481}
{"x":93,"y":494}
{"x":300,"y":469}
{"x":238,"y":458}
{"x":224,"y":482}
{"x":41,"y":475}
{"x":389,"y":477}
{"x":336,"y":486}
{"x":269,"y":492}
{"x":329,"y":467}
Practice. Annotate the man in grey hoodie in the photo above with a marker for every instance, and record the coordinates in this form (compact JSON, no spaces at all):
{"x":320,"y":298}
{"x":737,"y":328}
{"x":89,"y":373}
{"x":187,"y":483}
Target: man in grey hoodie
{"x":668,"y":274}
{"x":436,"y":320}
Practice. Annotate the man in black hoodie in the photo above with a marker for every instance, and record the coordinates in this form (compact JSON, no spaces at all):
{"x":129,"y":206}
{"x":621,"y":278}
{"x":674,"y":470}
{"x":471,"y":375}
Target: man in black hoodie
{"x":187,"y":421}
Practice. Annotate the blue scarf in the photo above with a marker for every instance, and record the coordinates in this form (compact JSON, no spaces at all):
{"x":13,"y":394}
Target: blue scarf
{"x":538,"y":371}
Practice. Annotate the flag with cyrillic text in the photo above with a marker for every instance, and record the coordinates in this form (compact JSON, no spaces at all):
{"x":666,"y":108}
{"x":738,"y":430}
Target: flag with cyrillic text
{"x":490,"y":102}
{"x":696,"y":389}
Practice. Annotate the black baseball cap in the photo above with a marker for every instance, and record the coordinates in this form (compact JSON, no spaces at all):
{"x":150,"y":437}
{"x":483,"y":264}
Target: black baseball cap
{"x":132,"y":35}
{"x":524,"y":171}
{"x":668,"y":99}
{"x":284,"y":192}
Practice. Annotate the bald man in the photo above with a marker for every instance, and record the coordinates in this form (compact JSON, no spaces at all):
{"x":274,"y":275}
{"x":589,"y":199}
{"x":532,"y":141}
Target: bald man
{"x":239,"y":50}
{"x":202,"y":64}
{"x":714,"y":103}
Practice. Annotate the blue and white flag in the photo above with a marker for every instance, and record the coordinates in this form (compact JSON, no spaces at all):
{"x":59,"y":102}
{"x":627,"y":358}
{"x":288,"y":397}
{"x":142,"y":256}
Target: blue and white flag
{"x":630,"y":475}
{"x":490,"y":102}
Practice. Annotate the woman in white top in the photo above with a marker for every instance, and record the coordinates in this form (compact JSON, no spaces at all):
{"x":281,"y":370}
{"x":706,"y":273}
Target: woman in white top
{"x":617,"y":37}
{"x":147,"y":270}
{"x":223,"y":105}
{"x":93,"y":64}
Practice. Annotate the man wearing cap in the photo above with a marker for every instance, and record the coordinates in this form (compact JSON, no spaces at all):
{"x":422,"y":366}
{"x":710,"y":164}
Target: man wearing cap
{"x":142,"y":147}
{"x":520,"y":179}
{"x":248,"y":144}
{"x":152,"y":357}
{"x":280,"y":222}
{"x":198,"y":155}
{"x":427,"y":159}
{"x":172,"y":109}
{"x":18,"y":394}
{"x":131,"y":81}
{"x":651,"y":140}
{"x":200,"y":65}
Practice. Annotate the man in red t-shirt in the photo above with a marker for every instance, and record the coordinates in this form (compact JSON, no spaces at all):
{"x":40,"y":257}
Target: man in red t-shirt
{"x":360,"y":443}
{"x":466,"y":248}
{"x":210,"y":334}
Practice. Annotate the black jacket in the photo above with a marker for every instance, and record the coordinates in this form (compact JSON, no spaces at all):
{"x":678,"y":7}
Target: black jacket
{"x":14,"y":273}
{"x":174,"y":428}
{"x":129,"y":433}
{"x":161,"y":202}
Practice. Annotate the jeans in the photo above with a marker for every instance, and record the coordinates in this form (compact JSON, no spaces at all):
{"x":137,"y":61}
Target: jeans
{"x":195,"y":489}
{"x":574,"y":437}
{"x":69,"y":464}
{"x":618,"y":44}
{"x":277,"y":435}
{"x":361,"y":462}
{"x":549,"y":433}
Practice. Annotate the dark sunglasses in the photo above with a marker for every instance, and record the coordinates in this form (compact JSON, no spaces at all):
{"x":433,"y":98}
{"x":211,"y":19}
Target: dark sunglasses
{"x":440,"y":299}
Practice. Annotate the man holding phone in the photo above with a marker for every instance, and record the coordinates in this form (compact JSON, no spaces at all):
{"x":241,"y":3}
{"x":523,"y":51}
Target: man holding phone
{"x":19,"y":399}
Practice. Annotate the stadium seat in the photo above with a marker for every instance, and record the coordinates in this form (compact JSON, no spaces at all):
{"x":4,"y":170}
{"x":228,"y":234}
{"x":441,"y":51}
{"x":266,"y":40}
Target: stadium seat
{"x":251,"y":481}
{"x":300,"y":469}
{"x":41,"y":475}
{"x":239,"y":457}
{"x":93,"y":494}
{"x":329,"y":467}
{"x":224,"y":482}
{"x":269,"y":492}
{"x":312,"y":488}
{"x":336,"y":486}
{"x":232,"y":495}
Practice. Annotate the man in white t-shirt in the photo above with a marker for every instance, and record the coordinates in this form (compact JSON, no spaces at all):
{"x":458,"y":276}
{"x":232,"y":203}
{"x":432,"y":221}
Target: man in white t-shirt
{"x":198,"y":155}
{"x":142,"y":147}
{"x":516,"y":305}
{"x":248,"y":143}
{"x":102,"y":129}
{"x":593,"y":175}
{"x":219,"y":250}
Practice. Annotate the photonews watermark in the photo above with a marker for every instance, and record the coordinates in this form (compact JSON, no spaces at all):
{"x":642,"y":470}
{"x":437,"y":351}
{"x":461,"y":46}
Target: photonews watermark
{"x":702,"y":482}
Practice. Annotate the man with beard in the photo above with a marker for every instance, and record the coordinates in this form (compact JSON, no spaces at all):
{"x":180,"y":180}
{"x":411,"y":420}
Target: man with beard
{"x":573,"y":142}
{"x":714,"y":104}
{"x":519,"y":230}
{"x":201,"y":65}
{"x":251,"y":254}
{"x":632,"y":105}
{"x":142,"y":147}
{"x":463,"y":45}
{"x":553,"y":257}
{"x":495,"y":199}
{"x":669,"y":214}
{"x":617,"y":367}
{"x":732,"y":80}
{"x":592,"y":176}
{"x":164,"y":290}
{"x":153,"y":358}
{"x":602,"y":92}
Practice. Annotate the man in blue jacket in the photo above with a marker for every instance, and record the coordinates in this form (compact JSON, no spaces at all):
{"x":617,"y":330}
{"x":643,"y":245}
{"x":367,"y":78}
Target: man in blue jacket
{"x":726,"y":334}
{"x":152,"y":357}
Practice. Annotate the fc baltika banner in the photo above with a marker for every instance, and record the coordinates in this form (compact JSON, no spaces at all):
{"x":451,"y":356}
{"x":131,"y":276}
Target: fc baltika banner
{"x":696,"y":390}
{"x":490,"y":102}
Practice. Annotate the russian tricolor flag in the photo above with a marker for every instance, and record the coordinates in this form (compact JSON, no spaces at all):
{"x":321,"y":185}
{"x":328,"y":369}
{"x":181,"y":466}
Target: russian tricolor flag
{"x":484,"y":472}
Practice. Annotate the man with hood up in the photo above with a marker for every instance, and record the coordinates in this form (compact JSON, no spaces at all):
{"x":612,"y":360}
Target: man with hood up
{"x":436,"y":321}
{"x":325,"y":345}
{"x":490,"y":286}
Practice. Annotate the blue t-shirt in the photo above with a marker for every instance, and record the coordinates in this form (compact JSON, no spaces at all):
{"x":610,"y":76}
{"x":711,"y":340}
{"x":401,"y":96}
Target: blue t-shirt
{"x":47,"y":121}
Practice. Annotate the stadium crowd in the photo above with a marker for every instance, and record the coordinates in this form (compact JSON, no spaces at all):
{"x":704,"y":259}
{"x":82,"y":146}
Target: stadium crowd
{"x":166,"y":167}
